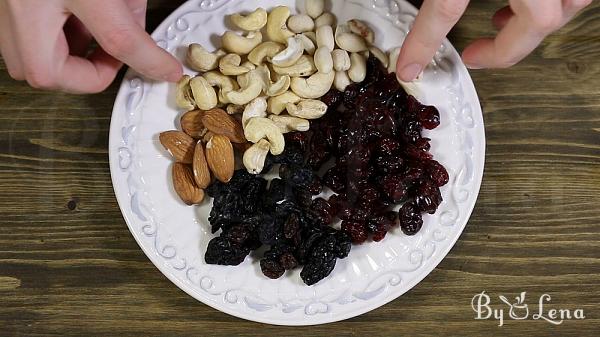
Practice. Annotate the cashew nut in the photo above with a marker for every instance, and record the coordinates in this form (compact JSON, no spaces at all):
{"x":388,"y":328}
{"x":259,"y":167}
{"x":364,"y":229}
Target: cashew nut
{"x":277,"y":104}
{"x":291,"y":54}
{"x":224,"y":83}
{"x":362,"y":29}
{"x":230,"y":65}
{"x":251,"y":22}
{"x":341,"y":60}
{"x":289,"y":124}
{"x":315,"y":8}
{"x":280,"y":86}
{"x":312,"y":36}
{"x":313,"y":87}
{"x":304,"y":67}
{"x":394,"y":54}
{"x":249,"y":65}
{"x":199,"y":59}
{"x":241,"y":45}
{"x":265,"y":76}
{"x":256,"y":108}
{"x":326,"y":19}
{"x":300,"y":23}
{"x":259,"y":128}
{"x":249,"y":91}
{"x":265,"y":50}
{"x":307,"y":109}
{"x":358,"y":69}
{"x":323,"y":60}
{"x":307,"y":43}
{"x":255,"y":157}
{"x":325,"y":37}
{"x":380,"y":55}
{"x":349,"y":41}
{"x":205,"y":95}
{"x":233,"y":109}
{"x":183,"y":94}
{"x":342,"y":81}
{"x":277,"y":30}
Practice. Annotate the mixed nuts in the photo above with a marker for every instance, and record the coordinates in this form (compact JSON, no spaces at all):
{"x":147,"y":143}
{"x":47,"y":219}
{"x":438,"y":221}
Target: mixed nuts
{"x":259,"y":87}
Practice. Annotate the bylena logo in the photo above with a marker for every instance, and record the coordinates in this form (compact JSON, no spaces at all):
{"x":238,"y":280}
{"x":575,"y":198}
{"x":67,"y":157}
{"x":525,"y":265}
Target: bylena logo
{"x":519,"y":310}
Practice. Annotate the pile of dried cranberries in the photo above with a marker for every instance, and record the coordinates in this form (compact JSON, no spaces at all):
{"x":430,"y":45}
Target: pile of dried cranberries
{"x":369,"y":150}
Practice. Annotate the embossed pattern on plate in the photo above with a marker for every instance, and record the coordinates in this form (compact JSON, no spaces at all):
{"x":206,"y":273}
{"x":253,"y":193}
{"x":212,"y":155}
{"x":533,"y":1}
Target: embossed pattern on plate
{"x":174,"y":236}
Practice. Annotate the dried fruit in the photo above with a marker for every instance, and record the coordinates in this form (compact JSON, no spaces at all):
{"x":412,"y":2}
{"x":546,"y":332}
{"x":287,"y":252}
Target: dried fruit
{"x":220,"y":157}
{"x":200,"y":167}
{"x":221,"y":123}
{"x":180,"y":145}
{"x":186,"y":188}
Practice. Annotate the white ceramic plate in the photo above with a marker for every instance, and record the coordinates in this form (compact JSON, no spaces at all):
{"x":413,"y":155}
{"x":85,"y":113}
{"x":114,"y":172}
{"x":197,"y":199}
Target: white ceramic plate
{"x":175,"y":236}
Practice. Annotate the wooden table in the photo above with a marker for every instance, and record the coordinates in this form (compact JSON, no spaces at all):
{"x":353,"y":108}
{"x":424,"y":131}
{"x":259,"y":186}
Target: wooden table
{"x":68,"y":264}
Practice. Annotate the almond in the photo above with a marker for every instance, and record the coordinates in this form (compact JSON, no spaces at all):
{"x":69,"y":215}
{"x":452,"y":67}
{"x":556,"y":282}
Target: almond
{"x":207,"y":136}
{"x":220,"y":123}
{"x":220,"y":158}
{"x":200,"y":166}
{"x":191,"y":123}
{"x":186,"y":188}
{"x":179,"y":144}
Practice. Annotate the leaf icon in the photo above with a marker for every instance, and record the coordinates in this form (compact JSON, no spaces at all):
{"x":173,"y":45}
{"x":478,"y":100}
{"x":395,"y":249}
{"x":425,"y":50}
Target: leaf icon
{"x":521,"y":299}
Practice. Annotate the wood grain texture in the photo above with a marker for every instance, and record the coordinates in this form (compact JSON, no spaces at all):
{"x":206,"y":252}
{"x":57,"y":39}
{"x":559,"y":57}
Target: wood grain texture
{"x":68,"y":265}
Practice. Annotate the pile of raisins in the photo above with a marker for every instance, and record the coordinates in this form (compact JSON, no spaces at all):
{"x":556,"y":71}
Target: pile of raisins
{"x":371,"y":152}
{"x":251,"y":212}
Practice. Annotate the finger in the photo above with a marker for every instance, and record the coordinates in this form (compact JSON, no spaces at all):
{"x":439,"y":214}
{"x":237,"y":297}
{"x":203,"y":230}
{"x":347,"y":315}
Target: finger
{"x":10,"y":56}
{"x":8,"y":48}
{"x":78,"y":37}
{"x":116,"y":30}
{"x":519,"y":37}
{"x":92,"y":75}
{"x":501,"y":17}
{"x":138,"y":10}
{"x":432,"y":24}
{"x":572,"y":7}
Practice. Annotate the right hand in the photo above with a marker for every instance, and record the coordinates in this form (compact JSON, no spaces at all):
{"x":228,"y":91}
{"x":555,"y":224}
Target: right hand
{"x":523,"y":25}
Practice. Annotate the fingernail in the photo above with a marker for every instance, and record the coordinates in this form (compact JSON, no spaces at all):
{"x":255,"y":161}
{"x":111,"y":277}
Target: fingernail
{"x":473,"y":66}
{"x":410,"y":72}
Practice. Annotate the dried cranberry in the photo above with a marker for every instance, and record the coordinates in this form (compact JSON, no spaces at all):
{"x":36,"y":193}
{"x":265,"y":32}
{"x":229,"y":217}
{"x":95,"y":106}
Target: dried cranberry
{"x":356,"y":231}
{"x":394,"y":188}
{"x":429,"y":117}
{"x":335,"y":178}
{"x":388,"y":146}
{"x":389,"y":164}
{"x":437,"y":173}
{"x":428,"y":197}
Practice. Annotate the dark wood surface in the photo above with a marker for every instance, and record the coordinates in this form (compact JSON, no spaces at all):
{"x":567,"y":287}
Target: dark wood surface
{"x":68,"y":264}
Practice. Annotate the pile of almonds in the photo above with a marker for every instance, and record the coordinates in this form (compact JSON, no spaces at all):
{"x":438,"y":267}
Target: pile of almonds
{"x":251,"y":92}
{"x":204,"y":149}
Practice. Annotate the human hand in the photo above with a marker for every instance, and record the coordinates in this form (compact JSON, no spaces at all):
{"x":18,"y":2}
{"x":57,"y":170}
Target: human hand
{"x":46,"y":43}
{"x":523,"y":25}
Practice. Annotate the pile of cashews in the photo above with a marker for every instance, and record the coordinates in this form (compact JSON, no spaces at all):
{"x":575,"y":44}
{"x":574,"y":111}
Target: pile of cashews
{"x":303,"y":58}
